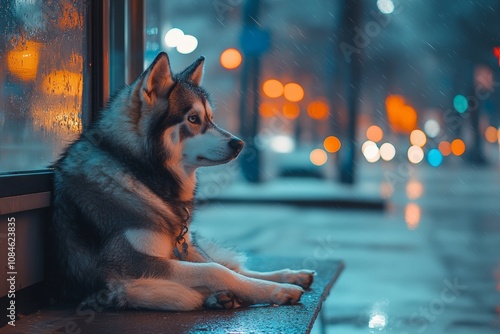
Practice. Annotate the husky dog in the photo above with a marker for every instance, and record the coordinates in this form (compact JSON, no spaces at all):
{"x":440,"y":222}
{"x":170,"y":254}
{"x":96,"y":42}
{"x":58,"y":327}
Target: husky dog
{"x":124,"y":197}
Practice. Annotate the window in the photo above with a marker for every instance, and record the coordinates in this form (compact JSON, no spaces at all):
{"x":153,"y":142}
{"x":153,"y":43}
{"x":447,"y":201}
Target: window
{"x":41,"y":79}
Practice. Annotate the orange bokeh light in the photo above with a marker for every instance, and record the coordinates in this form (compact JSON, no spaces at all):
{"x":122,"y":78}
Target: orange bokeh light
{"x":402,"y":117}
{"x":332,"y":144}
{"x":273,"y":88}
{"x":318,"y":157}
{"x":317,"y":110}
{"x":268,"y":109}
{"x":445,"y":148}
{"x":374,"y":133}
{"x":23,"y":60}
{"x":291,"y":110}
{"x":230,"y":59}
{"x":414,"y":189}
{"x":412,"y":215}
{"x":458,"y":147}
{"x":63,"y":83}
{"x":491,"y":134}
{"x":293,"y":92}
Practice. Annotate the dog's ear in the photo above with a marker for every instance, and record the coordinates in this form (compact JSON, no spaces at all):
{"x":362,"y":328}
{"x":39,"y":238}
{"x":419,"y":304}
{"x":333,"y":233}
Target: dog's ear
{"x":157,"y":80}
{"x":194,"y":72}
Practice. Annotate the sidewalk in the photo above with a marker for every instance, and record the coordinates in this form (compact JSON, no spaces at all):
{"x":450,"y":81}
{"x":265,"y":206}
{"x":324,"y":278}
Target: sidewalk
{"x":299,"y":192}
{"x":440,"y":229}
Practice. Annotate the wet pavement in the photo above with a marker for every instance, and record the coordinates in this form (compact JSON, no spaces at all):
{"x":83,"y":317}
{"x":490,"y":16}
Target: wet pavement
{"x":429,"y":263}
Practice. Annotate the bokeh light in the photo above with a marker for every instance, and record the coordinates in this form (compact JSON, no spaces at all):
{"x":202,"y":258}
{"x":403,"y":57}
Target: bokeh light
{"x":230,"y":59}
{"x":23,"y":60}
{"x":458,"y":147}
{"x":377,"y":321}
{"x":63,"y":83}
{"x":387,"y":151}
{"x":367,"y":144}
{"x":460,"y":103}
{"x":412,"y":215}
{"x":268,"y":109}
{"x":318,"y":110}
{"x":418,"y":138}
{"x":402,"y":117}
{"x":291,"y":110}
{"x":491,"y":134}
{"x":173,"y":37}
{"x":371,"y":152}
{"x":187,"y":44}
{"x":395,"y":101}
{"x":432,"y":128}
{"x":374,"y":133}
{"x":332,"y":144}
{"x":282,"y":144}
{"x":318,"y":157}
{"x":445,"y":148}
{"x":415,"y":154}
{"x":293,"y":92}
{"x":272,"y":88}
{"x":414,"y":189}
{"x":435,"y":158}
{"x":385,"y":6}
{"x":408,"y":118}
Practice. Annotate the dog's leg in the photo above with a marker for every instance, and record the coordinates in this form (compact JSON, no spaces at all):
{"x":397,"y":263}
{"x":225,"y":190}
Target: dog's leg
{"x":156,"y":294}
{"x":303,"y":278}
{"x":235,"y":261}
{"x":215,"y":277}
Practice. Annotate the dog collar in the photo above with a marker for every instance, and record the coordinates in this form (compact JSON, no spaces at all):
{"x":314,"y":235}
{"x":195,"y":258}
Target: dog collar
{"x":180,"y":238}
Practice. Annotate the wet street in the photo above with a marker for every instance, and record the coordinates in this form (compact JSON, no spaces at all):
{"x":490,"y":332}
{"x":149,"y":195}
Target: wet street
{"x":429,"y":263}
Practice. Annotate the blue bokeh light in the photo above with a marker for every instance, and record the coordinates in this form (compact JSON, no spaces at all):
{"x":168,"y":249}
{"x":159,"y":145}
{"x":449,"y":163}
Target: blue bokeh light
{"x":435,"y":158}
{"x":460,"y":103}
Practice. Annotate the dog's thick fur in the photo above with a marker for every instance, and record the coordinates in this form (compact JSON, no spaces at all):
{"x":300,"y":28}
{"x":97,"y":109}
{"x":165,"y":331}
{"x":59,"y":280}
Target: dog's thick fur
{"x":124,"y":196}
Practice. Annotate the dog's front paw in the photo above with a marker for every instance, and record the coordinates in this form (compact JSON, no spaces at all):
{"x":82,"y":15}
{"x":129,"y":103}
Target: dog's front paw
{"x":285,"y":294}
{"x":221,"y":300}
{"x":303,"y":278}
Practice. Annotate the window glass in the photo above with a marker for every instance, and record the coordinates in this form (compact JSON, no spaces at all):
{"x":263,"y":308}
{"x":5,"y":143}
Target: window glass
{"x":41,"y":47}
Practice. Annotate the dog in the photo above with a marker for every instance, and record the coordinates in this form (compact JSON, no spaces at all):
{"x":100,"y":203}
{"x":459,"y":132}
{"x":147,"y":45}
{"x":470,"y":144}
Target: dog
{"x":124,"y":198}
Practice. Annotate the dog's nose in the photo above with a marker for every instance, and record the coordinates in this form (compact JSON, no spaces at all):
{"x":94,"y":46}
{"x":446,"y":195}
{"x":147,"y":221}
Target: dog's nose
{"x":236,"y":144}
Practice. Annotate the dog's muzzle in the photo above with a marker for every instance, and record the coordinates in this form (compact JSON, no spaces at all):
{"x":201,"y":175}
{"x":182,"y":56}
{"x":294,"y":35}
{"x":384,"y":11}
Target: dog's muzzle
{"x":236,"y":145}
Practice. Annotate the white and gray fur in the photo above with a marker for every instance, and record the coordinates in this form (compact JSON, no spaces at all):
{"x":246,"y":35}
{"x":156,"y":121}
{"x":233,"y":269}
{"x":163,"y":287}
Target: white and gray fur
{"x":123,"y":191}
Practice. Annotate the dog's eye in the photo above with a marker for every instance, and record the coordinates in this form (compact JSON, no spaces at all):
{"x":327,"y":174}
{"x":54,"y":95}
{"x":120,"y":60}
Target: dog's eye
{"x":194,"y":119}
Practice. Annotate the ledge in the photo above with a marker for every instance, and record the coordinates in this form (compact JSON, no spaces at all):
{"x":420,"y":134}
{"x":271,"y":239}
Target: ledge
{"x":257,"y":319}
